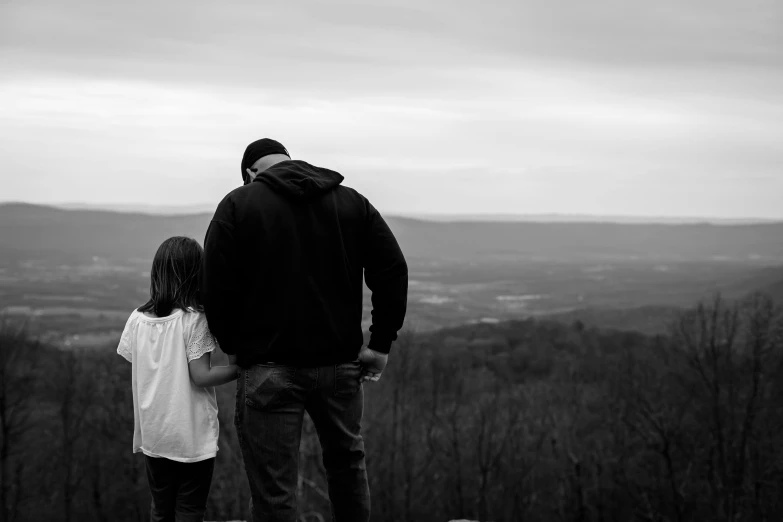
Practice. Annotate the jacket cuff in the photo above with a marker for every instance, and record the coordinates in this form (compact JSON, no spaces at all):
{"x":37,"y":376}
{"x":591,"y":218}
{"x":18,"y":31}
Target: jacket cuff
{"x":380,"y":343}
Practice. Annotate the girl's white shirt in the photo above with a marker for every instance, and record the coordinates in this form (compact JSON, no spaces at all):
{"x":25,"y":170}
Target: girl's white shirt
{"x":173,"y":418}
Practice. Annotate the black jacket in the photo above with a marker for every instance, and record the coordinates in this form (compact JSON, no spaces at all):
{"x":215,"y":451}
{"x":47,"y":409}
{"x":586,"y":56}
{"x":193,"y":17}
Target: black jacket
{"x":282,"y":276}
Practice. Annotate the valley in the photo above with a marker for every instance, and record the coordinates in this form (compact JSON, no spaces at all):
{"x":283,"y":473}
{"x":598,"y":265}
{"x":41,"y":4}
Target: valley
{"x":73,"y":276}
{"x":86,"y":305}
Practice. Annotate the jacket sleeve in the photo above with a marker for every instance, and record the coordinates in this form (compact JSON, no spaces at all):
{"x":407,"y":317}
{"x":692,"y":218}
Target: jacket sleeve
{"x":386,"y":275}
{"x":219,"y":284}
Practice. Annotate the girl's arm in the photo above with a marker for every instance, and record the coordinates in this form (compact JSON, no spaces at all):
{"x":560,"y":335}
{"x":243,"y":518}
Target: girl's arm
{"x":204,"y":375}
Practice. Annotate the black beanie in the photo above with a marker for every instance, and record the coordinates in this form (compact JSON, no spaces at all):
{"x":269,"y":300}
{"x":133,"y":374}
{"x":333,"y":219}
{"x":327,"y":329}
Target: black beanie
{"x":258,"y":149}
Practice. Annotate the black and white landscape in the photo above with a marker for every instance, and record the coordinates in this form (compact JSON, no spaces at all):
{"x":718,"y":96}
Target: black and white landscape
{"x":588,"y":195}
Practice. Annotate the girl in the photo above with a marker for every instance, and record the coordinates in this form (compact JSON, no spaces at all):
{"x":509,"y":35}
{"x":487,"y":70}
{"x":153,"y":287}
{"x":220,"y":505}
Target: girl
{"x":168,"y":343}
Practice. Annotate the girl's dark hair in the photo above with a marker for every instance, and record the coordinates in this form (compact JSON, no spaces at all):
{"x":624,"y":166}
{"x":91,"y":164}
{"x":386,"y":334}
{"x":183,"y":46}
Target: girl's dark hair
{"x":174,"y":277}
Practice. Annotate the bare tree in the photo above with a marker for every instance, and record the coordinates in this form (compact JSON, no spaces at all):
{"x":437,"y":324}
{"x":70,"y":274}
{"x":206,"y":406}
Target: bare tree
{"x":697,"y":404}
{"x":496,"y":424}
{"x":74,"y":388}
{"x":18,"y":363}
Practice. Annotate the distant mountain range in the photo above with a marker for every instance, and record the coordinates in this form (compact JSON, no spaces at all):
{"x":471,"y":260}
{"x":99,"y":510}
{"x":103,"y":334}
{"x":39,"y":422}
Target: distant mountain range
{"x":168,"y":210}
{"x":33,"y":230}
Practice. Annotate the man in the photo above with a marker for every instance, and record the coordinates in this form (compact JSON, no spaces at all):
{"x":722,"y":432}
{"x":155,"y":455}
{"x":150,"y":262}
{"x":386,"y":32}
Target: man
{"x":282,"y":291}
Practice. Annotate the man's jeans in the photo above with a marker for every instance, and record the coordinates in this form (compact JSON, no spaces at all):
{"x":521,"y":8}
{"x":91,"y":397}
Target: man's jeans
{"x":271,"y":401}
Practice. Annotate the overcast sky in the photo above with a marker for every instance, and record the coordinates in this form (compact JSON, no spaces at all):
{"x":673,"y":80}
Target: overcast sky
{"x":641,"y":108}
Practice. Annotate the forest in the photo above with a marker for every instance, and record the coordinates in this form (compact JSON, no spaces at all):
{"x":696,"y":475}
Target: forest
{"x":525,"y":420}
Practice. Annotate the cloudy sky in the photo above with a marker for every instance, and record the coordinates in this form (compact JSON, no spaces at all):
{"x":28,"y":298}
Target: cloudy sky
{"x":627,"y":107}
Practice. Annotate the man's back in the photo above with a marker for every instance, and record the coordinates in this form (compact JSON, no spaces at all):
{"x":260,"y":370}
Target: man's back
{"x":282,"y":280}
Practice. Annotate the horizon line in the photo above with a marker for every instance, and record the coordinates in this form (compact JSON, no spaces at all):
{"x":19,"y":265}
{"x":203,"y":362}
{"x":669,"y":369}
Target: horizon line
{"x":201,"y":208}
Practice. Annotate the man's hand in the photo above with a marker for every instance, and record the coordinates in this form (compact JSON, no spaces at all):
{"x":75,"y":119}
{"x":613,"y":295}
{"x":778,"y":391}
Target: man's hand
{"x":373,"y":362}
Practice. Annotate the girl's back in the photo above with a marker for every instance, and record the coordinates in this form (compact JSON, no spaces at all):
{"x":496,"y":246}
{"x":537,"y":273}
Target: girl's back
{"x":169,"y":346}
{"x":173,"y":417}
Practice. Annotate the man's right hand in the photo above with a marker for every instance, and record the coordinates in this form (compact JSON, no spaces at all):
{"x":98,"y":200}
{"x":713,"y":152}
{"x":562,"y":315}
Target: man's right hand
{"x":373,"y":362}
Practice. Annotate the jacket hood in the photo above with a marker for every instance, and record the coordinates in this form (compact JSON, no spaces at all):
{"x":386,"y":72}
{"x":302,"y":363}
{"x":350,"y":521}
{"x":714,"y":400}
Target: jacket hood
{"x":298,"y":179}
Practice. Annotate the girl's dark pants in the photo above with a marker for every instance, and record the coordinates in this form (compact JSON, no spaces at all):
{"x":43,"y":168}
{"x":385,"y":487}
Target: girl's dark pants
{"x":179,"y":489}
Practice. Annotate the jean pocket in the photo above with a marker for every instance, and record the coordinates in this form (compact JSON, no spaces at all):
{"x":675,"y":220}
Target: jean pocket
{"x":265,"y":385}
{"x":347,"y":379}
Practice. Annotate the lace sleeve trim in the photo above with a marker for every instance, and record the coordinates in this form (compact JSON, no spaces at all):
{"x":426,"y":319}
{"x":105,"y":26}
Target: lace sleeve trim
{"x":201,"y":342}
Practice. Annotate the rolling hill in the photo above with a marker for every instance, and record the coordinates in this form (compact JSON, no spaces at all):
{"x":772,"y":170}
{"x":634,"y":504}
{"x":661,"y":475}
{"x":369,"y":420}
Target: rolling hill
{"x":39,"y":231}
